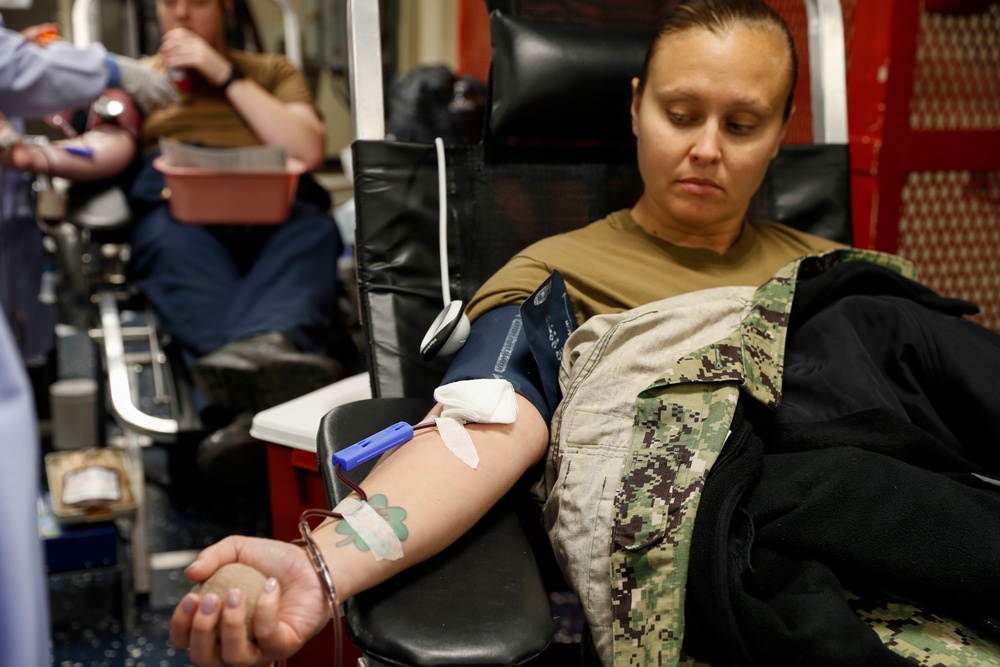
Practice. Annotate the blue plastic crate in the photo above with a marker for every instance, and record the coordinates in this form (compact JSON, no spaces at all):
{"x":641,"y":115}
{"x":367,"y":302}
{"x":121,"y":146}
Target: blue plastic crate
{"x":80,"y":547}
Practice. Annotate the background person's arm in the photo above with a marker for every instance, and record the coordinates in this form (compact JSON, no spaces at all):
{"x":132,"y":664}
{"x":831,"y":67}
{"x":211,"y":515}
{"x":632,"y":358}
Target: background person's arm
{"x":294,"y":125}
{"x":442,"y":497}
{"x":35,"y":80}
{"x":112,"y":149}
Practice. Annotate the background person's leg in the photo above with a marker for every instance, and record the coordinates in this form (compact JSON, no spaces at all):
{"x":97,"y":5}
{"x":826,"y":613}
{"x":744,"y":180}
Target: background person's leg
{"x":189,"y":276}
{"x":291,"y":286}
{"x":281,"y":317}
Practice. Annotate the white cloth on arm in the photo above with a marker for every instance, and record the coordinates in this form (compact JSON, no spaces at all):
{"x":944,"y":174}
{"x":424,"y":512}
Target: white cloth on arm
{"x":485,"y":401}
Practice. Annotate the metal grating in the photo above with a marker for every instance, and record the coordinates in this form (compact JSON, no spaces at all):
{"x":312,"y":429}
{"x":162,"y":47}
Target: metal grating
{"x":950,"y":221}
{"x":956,"y":77}
{"x":950,"y":228}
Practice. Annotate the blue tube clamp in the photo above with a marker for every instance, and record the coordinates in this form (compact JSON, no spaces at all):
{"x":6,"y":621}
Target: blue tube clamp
{"x":373,"y":446}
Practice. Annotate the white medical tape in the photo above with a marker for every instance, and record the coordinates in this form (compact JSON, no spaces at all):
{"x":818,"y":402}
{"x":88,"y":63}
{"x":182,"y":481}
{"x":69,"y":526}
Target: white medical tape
{"x":487,"y":401}
{"x":371,"y":527}
{"x":458,"y":440}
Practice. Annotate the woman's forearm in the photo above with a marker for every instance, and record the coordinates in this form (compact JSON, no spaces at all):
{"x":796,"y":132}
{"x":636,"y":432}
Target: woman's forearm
{"x":441,"y":495}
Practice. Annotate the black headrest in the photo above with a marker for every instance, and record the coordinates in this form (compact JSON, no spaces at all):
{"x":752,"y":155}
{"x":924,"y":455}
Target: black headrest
{"x":564,"y":81}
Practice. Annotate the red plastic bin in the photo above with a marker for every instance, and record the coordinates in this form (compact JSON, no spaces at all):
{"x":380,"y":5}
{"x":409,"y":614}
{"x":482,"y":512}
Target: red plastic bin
{"x":206,"y":197}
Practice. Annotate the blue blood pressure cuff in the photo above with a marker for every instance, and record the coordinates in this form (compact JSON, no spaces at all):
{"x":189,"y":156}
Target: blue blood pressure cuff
{"x":521,"y":344}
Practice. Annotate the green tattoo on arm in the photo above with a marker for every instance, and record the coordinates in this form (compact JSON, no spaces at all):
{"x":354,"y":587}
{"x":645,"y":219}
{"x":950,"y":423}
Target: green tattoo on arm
{"x":393,"y":516}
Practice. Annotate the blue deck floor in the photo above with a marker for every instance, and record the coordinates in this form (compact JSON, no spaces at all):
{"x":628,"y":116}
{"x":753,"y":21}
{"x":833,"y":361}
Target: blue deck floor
{"x":87,"y":606}
{"x":88,"y":628}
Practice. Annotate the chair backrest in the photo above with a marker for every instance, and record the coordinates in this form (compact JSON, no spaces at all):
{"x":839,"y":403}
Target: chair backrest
{"x":557,"y":153}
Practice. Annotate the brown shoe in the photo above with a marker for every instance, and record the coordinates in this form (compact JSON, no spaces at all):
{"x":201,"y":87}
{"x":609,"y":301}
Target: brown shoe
{"x":261,"y":371}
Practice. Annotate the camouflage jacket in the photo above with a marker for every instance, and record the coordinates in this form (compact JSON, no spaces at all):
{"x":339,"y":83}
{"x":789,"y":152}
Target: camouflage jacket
{"x":626,"y":466}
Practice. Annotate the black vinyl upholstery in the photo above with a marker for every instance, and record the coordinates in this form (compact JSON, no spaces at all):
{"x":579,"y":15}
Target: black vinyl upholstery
{"x":501,"y":616}
{"x":535,"y":93}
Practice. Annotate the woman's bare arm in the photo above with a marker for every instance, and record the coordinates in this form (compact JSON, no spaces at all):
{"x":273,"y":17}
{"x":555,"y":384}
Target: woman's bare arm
{"x":442,"y":497}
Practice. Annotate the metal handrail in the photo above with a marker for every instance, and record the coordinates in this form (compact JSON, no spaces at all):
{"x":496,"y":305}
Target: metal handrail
{"x":828,"y":70}
{"x":293,"y":32}
{"x":118,"y":376}
{"x":364,"y":54}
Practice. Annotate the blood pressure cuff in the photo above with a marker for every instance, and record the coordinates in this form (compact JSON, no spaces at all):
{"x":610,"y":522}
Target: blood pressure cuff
{"x":521,"y":344}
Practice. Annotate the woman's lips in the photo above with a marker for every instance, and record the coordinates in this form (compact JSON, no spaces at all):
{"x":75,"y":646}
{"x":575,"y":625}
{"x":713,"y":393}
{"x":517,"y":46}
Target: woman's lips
{"x":699,"y":186}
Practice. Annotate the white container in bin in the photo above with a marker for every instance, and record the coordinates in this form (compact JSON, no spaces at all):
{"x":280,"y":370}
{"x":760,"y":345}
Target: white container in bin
{"x":73,"y":403}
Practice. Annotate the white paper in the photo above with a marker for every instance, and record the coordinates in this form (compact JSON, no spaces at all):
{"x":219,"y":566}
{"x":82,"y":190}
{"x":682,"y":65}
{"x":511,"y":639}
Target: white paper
{"x":268,"y":159}
{"x":92,"y":484}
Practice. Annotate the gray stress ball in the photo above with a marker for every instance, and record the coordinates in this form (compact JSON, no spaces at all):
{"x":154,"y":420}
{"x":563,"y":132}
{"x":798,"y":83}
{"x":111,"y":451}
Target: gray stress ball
{"x":235,"y":575}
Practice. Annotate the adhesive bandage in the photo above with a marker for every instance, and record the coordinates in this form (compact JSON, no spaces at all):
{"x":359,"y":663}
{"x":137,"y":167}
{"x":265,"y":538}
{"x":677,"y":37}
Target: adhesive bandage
{"x":371,"y":529}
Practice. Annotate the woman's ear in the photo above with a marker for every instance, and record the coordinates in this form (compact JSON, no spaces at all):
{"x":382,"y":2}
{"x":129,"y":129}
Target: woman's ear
{"x":634,"y":107}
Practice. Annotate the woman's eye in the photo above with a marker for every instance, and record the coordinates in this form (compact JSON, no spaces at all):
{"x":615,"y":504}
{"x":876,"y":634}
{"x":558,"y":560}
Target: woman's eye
{"x":679,"y":117}
{"x":740,"y":128}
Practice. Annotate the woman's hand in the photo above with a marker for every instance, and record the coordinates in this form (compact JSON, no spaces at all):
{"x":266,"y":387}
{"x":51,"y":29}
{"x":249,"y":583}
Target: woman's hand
{"x":291,"y":609}
{"x":183,"y":49}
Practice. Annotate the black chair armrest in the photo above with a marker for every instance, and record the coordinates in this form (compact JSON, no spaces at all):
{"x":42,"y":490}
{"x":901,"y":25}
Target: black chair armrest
{"x":347,"y":424}
{"x":479,"y":602}
{"x":100,"y":207}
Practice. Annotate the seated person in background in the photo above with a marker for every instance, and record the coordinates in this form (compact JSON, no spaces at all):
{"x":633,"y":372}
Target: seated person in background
{"x":252,"y":306}
{"x":709,"y":112}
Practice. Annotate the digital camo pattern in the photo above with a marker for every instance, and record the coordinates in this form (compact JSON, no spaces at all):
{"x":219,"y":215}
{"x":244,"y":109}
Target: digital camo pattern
{"x":922,"y":637}
{"x":688,"y":661}
{"x":682,"y":421}
{"x":593,"y":428}
{"x":677,"y":437}
{"x":812,"y":265}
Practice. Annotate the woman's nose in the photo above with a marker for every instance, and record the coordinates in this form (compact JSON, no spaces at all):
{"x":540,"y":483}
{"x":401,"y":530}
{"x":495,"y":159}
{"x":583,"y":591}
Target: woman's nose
{"x":707,"y":147}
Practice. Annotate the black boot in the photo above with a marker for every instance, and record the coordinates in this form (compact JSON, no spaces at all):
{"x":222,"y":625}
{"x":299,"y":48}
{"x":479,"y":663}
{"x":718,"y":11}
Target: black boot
{"x":261,"y":371}
{"x":231,"y":458}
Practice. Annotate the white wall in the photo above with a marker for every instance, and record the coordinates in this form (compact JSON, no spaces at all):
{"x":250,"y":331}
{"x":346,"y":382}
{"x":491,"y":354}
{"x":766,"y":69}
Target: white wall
{"x":428,"y":33}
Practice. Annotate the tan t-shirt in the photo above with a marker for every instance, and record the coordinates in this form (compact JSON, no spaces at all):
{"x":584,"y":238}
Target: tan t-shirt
{"x":612,"y":265}
{"x":206,"y":117}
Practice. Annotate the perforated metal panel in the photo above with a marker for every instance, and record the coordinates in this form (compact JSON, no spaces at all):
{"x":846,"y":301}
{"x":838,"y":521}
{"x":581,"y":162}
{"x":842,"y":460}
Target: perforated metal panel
{"x":956,"y":82}
{"x":950,"y":222}
{"x":950,"y":228}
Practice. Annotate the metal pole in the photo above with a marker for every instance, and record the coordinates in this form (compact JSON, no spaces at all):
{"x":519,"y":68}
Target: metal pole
{"x":364,"y":50}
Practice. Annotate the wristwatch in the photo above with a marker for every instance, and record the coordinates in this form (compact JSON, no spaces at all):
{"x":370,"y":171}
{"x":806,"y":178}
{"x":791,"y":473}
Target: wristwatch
{"x":235,"y":74}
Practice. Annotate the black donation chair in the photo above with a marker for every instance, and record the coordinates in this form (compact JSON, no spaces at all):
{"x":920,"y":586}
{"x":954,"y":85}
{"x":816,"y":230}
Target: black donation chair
{"x":557,"y":153}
